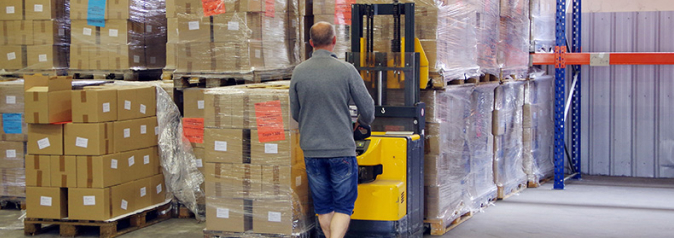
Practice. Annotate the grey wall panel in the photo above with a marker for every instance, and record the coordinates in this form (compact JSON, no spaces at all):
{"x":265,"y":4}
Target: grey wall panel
{"x":585,"y":105}
{"x":666,"y":91}
{"x":621,"y":97}
{"x":600,"y":101}
{"x":645,"y":84}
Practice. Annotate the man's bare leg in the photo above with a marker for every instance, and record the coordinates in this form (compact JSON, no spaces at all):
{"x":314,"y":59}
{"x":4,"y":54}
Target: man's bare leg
{"x":339,"y":225}
{"x":325,"y":220}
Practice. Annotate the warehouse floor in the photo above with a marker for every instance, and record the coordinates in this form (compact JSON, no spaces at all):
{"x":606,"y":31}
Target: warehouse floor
{"x":593,"y":207}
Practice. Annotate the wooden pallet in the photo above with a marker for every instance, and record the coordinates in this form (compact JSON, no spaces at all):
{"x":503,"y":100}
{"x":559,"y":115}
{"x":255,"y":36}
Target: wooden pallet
{"x":539,"y":182}
{"x":7,"y":202}
{"x":229,"y":234}
{"x":183,"y":80}
{"x":21,"y":73}
{"x":71,"y":228}
{"x":503,"y":194}
{"x":438,"y":82}
{"x":439,"y":227}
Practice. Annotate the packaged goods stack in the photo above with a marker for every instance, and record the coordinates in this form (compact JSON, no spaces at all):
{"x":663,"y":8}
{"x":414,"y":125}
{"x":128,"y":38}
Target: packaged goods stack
{"x":233,"y":37}
{"x":35,"y":36}
{"x":117,"y":35}
{"x":255,"y":174}
{"x":92,"y":153}
{"x":193,"y":125}
{"x":12,"y":139}
{"x":514,"y":39}
{"x":507,"y":129}
{"x":306,"y":20}
{"x":538,"y":133}
{"x":481,"y":186}
{"x":543,"y":25}
{"x":488,"y":38}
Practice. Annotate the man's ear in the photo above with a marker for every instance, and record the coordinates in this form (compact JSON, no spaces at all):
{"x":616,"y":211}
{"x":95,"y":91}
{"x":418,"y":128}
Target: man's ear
{"x":334,"y":40}
{"x":311,"y":42}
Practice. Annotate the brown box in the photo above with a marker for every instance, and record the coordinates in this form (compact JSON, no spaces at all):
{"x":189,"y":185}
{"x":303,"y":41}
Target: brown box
{"x":122,"y":32}
{"x":225,"y":214}
{"x":50,"y":32}
{"x":12,"y":154}
{"x":13,"y":57}
{"x":99,"y":171}
{"x":89,"y":204}
{"x":38,"y":171}
{"x":43,"y":106}
{"x":126,"y":56}
{"x":155,"y":56}
{"x":236,"y":26}
{"x":22,"y":32}
{"x":47,"y":56}
{"x":233,"y":180}
{"x":94,"y":104}
{"x":79,"y":56}
{"x":193,"y":102}
{"x":82,"y":33}
{"x":122,"y":9}
{"x":99,"y":57}
{"x":48,"y":203}
{"x":171,"y":56}
{"x":138,"y":164}
{"x":45,"y":139}
{"x":284,"y":182}
{"x":11,"y":99}
{"x":63,"y":171}
{"x":135,"y":134}
{"x":143,"y":192}
{"x":11,"y":10}
{"x":280,"y":216}
{"x":235,"y":56}
{"x":45,"y":9}
{"x":158,"y":188}
{"x":16,"y":124}
{"x":199,"y":154}
{"x":123,"y":199}
{"x":284,"y":152}
{"x":189,"y":29}
{"x":88,"y":138}
{"x":195,"y":57}
{"x":136,"y":102}
{"x":245,"y":6}
{"x":177,"y":8}
{"x":226,"y":145}
{"x":13,"y":182}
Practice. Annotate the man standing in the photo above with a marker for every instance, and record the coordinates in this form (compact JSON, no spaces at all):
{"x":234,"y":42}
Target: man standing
{"x":320,"y":91}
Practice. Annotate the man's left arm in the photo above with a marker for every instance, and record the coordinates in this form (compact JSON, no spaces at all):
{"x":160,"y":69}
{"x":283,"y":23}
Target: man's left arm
{"x":294,"y":101}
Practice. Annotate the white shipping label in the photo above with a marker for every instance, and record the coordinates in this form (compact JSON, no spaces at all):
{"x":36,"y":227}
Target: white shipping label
{"x":127,"y":104}
{"x":159,"y":188}
{"x":222,"y":213}
{"x":42,"y":58}
{"x":193,"y":25}
{"x":148,"y":28}
{"x":113,"y":32}
{"x":143,"y":129}
{"x":132,"y":161}
{"x":258,"y":54}
{"x":45,"y":201}
{"x":200,"y":163}
{"x":62,"y":32}
{"x":233,"y":26}
{"x":11,"y":56}
{"x":81,"y":142}
{"x":220,"y":145}
{"x":153,"y":60}
{"x":298,"y":181}
{"x":38,"y":8}
{"x":106,"y":107}
{"x":127,"y":133}
{"x":274,"y":217}
{"x":156,"y":130}
{"x":143,"y":109}
{"x":44,"y":143}
{"x":113,"y":164}
{"x":10,"y":10}
{"x":89,"y":200}
{"x":10,"y":153}
{"x":270,"y":148}
{"x":86,"y":31}
{"x":143,"y":192}
{"x":146,"y":159}
{"x":125,"y":204}
{"x":136,"y":59}
{"x":200,"y":104}
{"x":10,"y":99}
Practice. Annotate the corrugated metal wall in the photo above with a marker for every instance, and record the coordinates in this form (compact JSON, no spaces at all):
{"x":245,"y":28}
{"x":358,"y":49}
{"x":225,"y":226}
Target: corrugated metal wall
{"x":628,"y":111}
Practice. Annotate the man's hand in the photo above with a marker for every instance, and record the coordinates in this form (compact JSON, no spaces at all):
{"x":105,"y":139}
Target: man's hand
{"x":355,"y":126}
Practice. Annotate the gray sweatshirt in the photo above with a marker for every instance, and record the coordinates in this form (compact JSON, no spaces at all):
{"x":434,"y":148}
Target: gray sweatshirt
{"x":320,"y":91}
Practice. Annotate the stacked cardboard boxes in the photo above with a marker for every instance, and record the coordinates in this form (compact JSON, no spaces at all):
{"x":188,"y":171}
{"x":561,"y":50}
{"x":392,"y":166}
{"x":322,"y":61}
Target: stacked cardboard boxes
{"x":514,"y":38}
{"x":12,"y":139}
{"x":92,"y":153}
{"x":538,"y":129}
{"x":254,"y":168}
{"x":122,"y":35}
{"x":34,"y":35}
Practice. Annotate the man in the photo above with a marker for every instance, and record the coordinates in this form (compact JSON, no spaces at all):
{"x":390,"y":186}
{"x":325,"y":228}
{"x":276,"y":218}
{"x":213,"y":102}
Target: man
{"x":320,"y":91}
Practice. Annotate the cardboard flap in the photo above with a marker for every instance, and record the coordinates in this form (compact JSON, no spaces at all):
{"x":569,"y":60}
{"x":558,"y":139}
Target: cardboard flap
{"x":58,"y":83}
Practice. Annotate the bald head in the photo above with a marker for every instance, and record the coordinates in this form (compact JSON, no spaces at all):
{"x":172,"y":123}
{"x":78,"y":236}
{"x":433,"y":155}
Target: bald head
{"x":322,"y":34}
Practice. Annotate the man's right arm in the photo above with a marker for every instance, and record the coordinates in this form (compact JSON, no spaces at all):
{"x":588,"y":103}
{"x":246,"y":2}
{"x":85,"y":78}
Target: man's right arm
{"x":294,"y":101}
{"x":361,"y":97}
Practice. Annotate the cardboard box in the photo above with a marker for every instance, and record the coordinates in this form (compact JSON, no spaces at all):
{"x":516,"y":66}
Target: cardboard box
{"x":14,"y":127}
{"x":284,"y":182}
{"x":227,"y":145}
{"x":236,"y":56}
{"x":143,"y":192}
{"x":279,"y":216}
{"x":158,"y":188}
{"x":43,"y":106}
{"x":246,"y":6}
{"x":12,"y":154}
{"x":48,"y":203}
{"x":89,"y":204}
{"x":81,"y":32}
{"x":11,"y":100}
{"x":155,"y":55}
{"x":223,"y":214}
{"x":45,"y":9}
{"x":94,"y":104}
{"x":122,"y":32}
{"x":195,"y":57}
{"x":79,"y":56}
{"x":50,"y":32}
{"x":123,"y":9}
{"x":189,"y":29}
{"x":193,"y":102}
{"x":13,"y":57}
{"x":135,"y":134}
{"x":136,"y":102}
{"x":88,"y":138}
{"x":63,"y":171}
{"x":22,"y":32}
{"x":45,"y":139}
{"x":99,"y":57}
{"x":13,"y":182}
{"x":99,"y":171}
{"x":47,"y":56}
{"x":182,"y":8}
{"x":171,"y":56}
{"x":233,"y":180}
{"x":38,"y":171}
{"x":283,"y":152}
{"x":123,"y":199}
{"x":199,"y":154}
{"x":236,"y":26}
{"x":11,"y":10}
{"x":139,"y":164}
{"x":126,"y":56}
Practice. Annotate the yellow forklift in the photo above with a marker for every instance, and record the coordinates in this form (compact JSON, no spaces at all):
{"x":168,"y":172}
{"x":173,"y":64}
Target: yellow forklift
{"x":391,"y":161}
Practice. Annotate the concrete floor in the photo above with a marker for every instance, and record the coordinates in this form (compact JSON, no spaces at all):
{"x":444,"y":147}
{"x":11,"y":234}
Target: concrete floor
{"x":593,"y":207}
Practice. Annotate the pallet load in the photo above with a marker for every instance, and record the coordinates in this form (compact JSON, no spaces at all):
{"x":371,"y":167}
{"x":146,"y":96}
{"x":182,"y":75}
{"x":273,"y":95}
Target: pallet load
{"x":12,"y":142}
{"x":514,"y":39}
{"x":543,"y":21}
{"x":247,"y":40}
{"x":507,"y":130}
{"x":193,"y":128}
{"x":255,"y":175}
{"x":92,"y":154}
{"x":117,"y":36}
{"x":35,"y":36}
{"x":538,"y":133}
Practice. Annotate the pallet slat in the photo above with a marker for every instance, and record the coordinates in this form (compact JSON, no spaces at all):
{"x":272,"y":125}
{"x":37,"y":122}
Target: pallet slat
{"x":503,"y":194}
{"x":13,"y":203}
{"x":438,"y":227}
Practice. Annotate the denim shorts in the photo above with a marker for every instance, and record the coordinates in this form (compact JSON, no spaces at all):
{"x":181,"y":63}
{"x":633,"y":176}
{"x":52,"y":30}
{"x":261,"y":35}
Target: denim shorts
{"x":333,"y":183}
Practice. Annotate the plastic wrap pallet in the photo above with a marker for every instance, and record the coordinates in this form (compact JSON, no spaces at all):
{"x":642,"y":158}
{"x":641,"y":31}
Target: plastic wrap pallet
{"x":13,"y":203}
